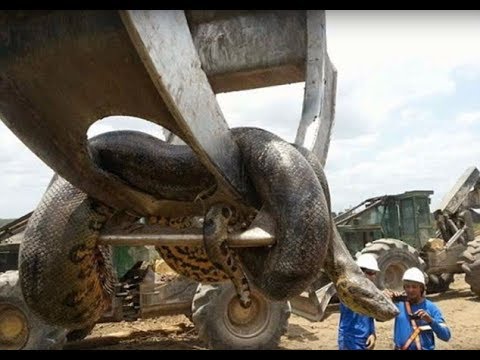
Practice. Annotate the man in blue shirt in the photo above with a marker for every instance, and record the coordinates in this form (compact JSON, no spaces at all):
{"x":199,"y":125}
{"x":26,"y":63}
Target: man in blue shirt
{"x":357,"y":331}
{"x":419,"y":319}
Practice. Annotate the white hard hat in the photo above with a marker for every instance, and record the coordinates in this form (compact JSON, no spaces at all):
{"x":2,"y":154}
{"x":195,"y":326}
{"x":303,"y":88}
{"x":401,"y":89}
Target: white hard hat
{"x":368,"y":261}
{"x":414,"y":274}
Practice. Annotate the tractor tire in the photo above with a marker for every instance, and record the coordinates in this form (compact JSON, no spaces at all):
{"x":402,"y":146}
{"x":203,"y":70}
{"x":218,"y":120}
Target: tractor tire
{"x":393,"y":257}
{"x":79,"y":334}
{"x":471,"y":265}
{"x":222,"y":323}
{"x":20,"y":329}
{"x":439,"y":283}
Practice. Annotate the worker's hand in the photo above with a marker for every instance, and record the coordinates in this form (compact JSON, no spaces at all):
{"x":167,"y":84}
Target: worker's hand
{"x":371,"y":342}
{"x":425,"y":316}
{"x":391,"y":294}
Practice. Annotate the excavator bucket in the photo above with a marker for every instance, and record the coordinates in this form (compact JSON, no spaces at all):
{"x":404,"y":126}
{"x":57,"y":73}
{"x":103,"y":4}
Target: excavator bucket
{"x":61,"y":71}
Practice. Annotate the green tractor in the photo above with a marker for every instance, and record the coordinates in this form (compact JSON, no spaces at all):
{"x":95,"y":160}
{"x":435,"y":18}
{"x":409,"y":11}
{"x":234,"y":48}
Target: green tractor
{"x":401,"y":232}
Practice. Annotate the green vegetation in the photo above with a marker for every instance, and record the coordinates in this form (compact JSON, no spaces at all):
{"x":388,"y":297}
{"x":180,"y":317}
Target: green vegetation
{"x":4,"y":221}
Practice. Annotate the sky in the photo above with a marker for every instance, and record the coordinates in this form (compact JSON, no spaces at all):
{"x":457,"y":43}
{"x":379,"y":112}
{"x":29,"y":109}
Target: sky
{"x":407,"y":110}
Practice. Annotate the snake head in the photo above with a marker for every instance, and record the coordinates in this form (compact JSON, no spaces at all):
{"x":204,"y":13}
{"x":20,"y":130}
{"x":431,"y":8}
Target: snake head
{"x":219,"y":211}
{"x":362,"y":296}
{"x":218,"y":215}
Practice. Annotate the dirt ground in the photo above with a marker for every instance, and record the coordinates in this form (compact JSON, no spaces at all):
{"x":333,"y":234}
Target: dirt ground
{"x":460,"y":308}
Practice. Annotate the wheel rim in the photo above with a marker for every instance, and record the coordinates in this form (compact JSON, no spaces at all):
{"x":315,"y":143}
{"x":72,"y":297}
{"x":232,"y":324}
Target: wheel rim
{"x":13,"y":327}
{"x":393,"y":273}
{"x":247,"y":322}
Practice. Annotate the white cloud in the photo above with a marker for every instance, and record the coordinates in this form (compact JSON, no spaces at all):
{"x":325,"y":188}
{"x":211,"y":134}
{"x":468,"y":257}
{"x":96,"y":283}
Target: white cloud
{"x":390,"y":65}
{"x":386,"y":60}
{"x":465,"y":119}
{"x":348,"y":151}
{"x":277,"y":108}
{"x":400,"y":122}
{"x":360,"y":40}
{"x":430,"y":162}
{"x":413,"y":115}
{"x":23,"y":178}
{"x":112,"y":123}
{"x":99,"y":128}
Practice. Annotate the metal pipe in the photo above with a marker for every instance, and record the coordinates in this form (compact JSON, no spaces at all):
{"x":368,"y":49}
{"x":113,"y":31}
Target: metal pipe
{"x":342,"y":221}
{"x":452,"y":225}
{"x":251,"y":238}
{"x":455,"y":237}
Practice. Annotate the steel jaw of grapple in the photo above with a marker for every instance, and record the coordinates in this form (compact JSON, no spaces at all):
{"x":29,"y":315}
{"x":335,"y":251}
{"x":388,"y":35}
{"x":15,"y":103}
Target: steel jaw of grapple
{"x":61,"y":71}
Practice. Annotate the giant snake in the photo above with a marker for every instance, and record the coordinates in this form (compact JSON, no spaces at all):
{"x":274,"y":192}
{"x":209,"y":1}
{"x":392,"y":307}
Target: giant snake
{"x":67,"y":277}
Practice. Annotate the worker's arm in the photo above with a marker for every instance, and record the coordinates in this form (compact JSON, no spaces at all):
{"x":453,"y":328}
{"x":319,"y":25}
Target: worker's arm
{"x":436,"y":321}
{"x":441,"y":329}
{"x":439,"y":326}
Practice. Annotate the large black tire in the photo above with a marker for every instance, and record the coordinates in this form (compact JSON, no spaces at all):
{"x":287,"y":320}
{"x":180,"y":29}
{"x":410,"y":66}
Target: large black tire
{"x":393,"y":257}
{"x":79,"y":334}
{"x":471,"y":265}
{"x":20,"y":329}
{"x":222,"y":323}
{"x":439,"y":283}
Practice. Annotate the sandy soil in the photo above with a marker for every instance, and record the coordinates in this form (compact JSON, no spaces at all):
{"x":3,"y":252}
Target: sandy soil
{"x":460,"y":308}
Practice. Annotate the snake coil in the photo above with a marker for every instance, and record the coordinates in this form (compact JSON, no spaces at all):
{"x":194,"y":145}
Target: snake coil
{"x":67,"y":278}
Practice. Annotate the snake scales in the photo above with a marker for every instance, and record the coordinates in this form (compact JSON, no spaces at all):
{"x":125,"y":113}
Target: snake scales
{"x":67,"y":278}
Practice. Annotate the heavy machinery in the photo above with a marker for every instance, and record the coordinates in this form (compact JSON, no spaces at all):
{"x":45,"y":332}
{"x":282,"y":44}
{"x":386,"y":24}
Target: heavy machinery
{"x":61,"y":71}
{"x":146,"y":288}
{"x":401,"y":232}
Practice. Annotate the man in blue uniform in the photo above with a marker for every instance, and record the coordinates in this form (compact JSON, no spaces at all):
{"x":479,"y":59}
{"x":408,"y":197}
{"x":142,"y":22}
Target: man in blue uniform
{"x":419,"y":319}
{"x":357,"y":331}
